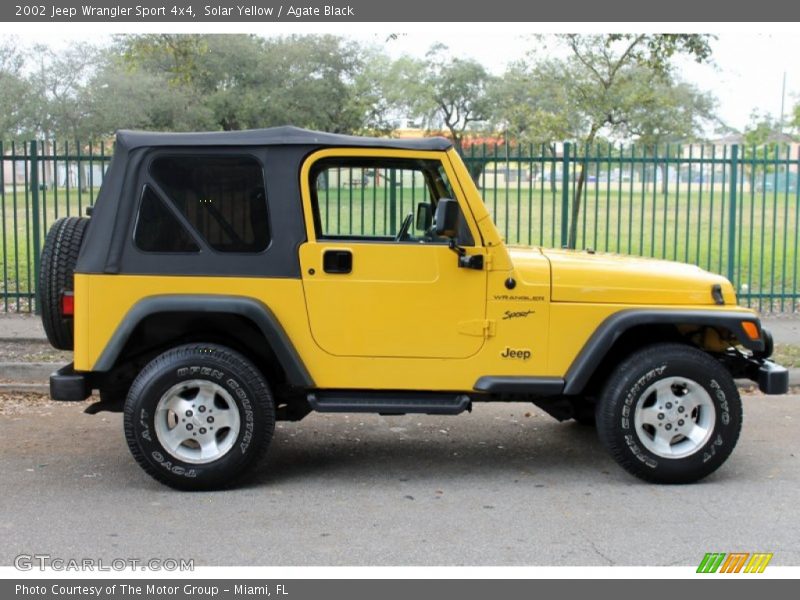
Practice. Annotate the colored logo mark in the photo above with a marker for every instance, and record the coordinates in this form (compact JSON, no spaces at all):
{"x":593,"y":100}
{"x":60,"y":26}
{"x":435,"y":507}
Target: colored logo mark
{"x":734,"y":562}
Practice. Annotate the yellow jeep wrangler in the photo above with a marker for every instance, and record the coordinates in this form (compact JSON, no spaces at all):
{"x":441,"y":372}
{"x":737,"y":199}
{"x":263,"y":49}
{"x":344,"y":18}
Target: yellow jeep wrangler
{"x":228,"y":280}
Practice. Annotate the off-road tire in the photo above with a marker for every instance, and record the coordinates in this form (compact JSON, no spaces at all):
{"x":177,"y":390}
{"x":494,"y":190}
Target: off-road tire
{"x":616,"y":412}
{"x":59,"y":257}
{"x":237,"y":377}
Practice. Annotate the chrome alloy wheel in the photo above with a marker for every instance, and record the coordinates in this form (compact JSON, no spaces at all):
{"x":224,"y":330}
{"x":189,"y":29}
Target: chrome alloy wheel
{"x":197,"y":421}
{"x":674,"y":417}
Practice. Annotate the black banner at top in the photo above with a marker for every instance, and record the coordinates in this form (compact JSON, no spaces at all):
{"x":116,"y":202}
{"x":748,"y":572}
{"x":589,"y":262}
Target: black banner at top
{"x":259,"y":11}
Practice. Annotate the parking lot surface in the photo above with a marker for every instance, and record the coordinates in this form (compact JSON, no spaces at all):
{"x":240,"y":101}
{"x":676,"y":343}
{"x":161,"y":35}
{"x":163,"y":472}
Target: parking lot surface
{"x":504,"y":485}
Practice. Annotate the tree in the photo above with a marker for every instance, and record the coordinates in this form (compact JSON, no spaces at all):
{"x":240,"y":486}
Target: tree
{"x":217,"y":77}
{"x":763,"y":129}
{"x":664,"y":111}
{"x":600,"y":73}
{"x":59,"y":83}
{"x":15,"y":89}
{"x":452,"y":91}
{"x":316,"y":81}
{"x":530,"y":103}
{"x":176,"y":55}
{"x":762,"y":140}
{"x":121,"y":97}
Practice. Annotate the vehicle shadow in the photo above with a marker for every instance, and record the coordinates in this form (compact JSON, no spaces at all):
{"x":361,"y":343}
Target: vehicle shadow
{"x":569,"y":449}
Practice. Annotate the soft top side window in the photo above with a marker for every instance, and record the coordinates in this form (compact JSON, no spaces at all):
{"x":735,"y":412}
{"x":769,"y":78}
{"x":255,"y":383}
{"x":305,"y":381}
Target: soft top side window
{"x":223,"y":199}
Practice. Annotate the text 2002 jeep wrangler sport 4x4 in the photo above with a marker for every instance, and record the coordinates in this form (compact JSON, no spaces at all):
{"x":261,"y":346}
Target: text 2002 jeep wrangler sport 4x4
{"x":227,"y":280}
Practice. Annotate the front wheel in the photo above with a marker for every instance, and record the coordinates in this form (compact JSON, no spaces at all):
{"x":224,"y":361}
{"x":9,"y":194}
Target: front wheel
{"x":199,"y":417}
{"x":670,"y":413}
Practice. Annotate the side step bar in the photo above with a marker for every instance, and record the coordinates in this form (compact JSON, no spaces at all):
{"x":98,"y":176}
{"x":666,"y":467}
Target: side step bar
{"x":389,"y":403}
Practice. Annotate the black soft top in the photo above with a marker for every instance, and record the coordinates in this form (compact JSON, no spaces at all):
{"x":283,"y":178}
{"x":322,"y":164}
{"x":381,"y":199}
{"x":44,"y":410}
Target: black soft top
{"x":273,"y":136}
{"x":109,"y":248}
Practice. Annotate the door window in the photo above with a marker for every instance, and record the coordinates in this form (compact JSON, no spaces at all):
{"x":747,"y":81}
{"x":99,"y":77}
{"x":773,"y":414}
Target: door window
{"x":380,"y":200}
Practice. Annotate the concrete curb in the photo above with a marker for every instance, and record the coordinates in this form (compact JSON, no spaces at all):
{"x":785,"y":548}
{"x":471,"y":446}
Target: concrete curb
{"x":25,"y":388}
{"x":28,"y":372}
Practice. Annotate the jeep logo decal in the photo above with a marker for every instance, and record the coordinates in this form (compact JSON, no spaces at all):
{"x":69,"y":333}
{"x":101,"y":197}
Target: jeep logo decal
{"x":521,"y":354}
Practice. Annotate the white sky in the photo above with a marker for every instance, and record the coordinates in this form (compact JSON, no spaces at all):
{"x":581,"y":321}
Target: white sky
{"x":749,"y":59}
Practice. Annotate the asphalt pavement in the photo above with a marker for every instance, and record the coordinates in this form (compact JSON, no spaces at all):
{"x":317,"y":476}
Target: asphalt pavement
{"x":504,"y":485}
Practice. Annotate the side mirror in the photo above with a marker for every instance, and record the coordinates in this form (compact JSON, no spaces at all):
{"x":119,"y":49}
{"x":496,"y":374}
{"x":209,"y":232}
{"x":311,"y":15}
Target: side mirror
{"x":447,"y":218}
{"x":424,"y":217}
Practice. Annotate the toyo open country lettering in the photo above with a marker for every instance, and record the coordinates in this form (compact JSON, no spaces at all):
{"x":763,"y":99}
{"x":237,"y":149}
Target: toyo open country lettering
{"x":210,"y":294}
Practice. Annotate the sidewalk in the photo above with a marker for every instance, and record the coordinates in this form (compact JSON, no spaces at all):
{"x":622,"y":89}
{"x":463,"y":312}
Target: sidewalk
{"x":31,"y":376}
{"x":21,"y":328}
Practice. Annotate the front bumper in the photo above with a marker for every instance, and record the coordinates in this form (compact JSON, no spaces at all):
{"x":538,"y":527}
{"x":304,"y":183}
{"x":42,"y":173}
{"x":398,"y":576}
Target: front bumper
{"x":771,"y":378}
{"x":70,"y":385}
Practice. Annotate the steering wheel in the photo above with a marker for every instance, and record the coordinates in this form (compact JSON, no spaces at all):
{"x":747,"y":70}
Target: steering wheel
{"x":402,"y":235}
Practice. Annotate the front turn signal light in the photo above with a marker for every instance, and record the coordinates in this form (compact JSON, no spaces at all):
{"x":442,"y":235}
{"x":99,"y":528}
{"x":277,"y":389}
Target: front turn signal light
{"x":751,"y":329}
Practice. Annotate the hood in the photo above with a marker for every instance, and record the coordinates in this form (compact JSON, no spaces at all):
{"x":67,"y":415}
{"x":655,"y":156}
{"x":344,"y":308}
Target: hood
{"x":580,"y":276}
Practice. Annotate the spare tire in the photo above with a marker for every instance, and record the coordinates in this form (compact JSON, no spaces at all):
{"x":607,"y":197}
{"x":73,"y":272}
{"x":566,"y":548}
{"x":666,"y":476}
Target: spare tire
{"x":59,"y":257}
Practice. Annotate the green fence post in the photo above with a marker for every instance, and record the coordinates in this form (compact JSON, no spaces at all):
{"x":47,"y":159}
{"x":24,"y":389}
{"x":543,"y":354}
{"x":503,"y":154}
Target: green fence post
{"x":565,"y":196}
{"x":732,"y":213}
{"x":392,"y":201}
{"x":36,"y":241}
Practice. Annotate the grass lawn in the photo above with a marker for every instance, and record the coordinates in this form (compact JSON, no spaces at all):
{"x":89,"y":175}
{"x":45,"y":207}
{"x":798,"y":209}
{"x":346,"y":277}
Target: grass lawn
{"x":787,"y":355}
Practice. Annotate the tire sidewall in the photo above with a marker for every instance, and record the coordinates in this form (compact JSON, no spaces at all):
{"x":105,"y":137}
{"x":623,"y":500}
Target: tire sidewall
{"x":148,"y":389}
{"x":727,"y":423}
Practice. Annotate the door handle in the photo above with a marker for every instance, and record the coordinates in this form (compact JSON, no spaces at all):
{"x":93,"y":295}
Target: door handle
{"x":337,"y":261}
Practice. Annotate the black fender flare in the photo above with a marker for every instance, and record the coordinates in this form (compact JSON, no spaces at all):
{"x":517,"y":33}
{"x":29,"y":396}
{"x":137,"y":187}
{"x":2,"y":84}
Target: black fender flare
{"x":609,"y":331}
{"x":254,"y":310}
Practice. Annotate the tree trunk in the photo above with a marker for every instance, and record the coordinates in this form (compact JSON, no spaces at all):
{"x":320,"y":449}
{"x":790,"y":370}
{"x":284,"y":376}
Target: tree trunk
{"x":578,"y":197}
{"x":476,"y":169}
{"x":553,"y":177}
{"x":576,"y":209}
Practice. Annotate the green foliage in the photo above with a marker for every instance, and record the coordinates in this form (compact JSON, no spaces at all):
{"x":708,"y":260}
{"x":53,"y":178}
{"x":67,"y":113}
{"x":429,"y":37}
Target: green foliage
{"x":245,"y":81}
{"x":763,"y":141}
{"x":532,"y":104}
{"x":193,"y":82}
{"x":762,"y":129}
{"x":452,"y":91}
{"x":15,"y":89}
{"x":662,"y":110}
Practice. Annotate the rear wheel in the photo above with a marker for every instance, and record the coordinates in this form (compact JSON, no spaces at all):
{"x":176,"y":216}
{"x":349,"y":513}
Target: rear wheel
{"x":199,"y":417}
{"x":670,"y":413}
{"x":59,"y":257}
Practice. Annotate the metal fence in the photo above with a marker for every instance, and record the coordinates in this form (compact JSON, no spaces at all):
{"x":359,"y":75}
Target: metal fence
{"x":39,"y":183}
{"x":730,"y":209}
